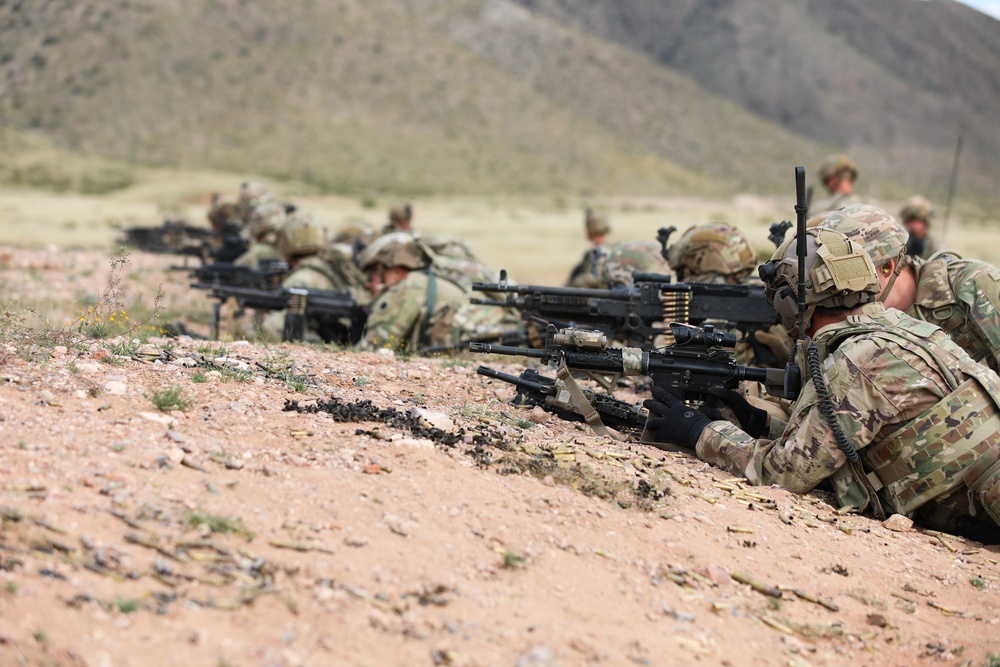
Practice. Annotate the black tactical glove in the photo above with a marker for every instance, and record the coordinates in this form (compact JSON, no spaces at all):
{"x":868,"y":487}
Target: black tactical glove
{"x":671,"y":421}
{"x":752,"y":420}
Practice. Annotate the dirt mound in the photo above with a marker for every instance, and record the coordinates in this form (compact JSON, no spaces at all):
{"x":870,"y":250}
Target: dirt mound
{"x":182,"y":502}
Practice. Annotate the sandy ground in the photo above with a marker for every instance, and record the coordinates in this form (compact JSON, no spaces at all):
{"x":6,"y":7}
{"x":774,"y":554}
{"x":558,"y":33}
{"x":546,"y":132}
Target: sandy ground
{"x":237,"y":532}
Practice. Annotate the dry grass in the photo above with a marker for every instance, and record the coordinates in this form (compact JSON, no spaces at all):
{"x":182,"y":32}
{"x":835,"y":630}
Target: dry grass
{"x":536,"y":239}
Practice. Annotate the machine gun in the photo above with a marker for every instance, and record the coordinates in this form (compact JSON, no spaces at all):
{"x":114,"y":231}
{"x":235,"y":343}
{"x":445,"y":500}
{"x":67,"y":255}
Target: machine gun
{"x":553,"y":396}
{"x":337,"y":316}
{"x":694,"y":366}
{"x":267,"y":275}
{"x":179,"y":237}
{"x":640,"y":313}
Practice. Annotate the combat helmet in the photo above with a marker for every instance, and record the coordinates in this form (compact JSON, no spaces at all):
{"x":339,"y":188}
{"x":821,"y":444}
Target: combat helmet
{"x":595,"y":223}
{"x":917,"y":208}
{"x":394,"y":249}
{"x":712,"y":253}
{"x":268,"y":217}
{"x":838,"y":164}
{"x":839,"y":273}
{"x":302,"y":234}
{"x":872,"y":228}
{"x":358,"y":233}
{"x":628,"y":256}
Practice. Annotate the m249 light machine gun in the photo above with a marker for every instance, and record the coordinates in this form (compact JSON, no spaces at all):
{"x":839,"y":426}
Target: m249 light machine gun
{"x":637,"y":314}
{"x":337,"y":316}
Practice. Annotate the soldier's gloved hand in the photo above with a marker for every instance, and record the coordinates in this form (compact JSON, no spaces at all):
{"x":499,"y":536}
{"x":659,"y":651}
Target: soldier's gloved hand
{"x":752,"y":420}
{"x":777,"y":341}
{"x":671,"y":421}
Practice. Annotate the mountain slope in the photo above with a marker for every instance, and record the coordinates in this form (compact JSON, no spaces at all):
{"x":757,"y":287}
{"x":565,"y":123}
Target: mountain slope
{"x":515,"y":96}
{"x":894,"y":81}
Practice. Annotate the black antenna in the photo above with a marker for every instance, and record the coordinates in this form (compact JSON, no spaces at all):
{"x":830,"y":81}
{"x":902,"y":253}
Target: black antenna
{"x":800,"y":242}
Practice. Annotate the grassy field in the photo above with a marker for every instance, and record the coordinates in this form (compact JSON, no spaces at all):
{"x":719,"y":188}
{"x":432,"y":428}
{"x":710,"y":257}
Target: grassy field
{"x":537,"y":240}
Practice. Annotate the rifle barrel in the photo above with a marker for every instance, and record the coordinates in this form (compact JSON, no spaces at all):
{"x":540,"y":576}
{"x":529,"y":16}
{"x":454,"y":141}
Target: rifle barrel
{"x":488,"y":348}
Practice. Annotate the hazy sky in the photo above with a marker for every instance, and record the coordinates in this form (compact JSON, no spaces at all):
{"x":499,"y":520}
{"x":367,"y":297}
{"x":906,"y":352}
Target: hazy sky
{"x":991,"y":7}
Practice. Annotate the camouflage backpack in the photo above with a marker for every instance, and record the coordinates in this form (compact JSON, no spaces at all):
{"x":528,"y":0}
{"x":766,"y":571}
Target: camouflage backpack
{"x":617,"y":265}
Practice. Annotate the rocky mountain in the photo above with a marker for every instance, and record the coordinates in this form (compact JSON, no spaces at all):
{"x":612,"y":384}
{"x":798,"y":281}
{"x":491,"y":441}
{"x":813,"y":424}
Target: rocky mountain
{"x":514,"y":96}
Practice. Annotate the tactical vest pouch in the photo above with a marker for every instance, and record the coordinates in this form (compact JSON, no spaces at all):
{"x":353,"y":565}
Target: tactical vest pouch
{"x":931,"y":454}
{"x":983,"y":478}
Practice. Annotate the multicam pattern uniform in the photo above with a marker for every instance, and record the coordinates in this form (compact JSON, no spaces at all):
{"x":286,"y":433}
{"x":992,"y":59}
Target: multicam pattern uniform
{"x":879,"y":382}
{"x":587,"y":273}
{"x":311,"y":272}
{"x":426,"y":310}
{"x":961,"y":296}
{"x":264,"y":250}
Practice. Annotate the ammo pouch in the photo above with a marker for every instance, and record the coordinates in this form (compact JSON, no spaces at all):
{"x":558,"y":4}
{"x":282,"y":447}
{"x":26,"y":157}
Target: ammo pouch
{"x":983,"y":478}
{"x":955,"y":441}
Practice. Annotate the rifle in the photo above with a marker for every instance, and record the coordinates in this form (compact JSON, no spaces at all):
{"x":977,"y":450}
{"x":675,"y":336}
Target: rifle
{"x":553,"y":396}
{"x":696,"y":363}
{"x":640,"y":313}
{"x":516,"y":337}
{"x":337,"y":316}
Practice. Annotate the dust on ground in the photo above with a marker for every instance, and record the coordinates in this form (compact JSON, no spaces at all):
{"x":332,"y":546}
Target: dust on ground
{"x":250,"y":521}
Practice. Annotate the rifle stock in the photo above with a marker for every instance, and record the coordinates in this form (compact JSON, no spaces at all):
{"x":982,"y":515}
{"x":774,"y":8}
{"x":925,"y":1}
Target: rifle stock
{"x":552,"y":396}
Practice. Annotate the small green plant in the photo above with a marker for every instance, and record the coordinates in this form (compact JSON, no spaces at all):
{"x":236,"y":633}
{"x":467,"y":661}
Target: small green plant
{"x":512,"y":559}
{"x":361,"y":381}
{"x":199,"y":377}
{"x":127,"y":605}
{"x":169,"y":399}
{"x":229,"y":373}
{"x":10,"y":588}
{"x":977,"y":582}
{"x":992,"y":660}
{"x":41,"y":637}
{"x":520,"y":422}
{"x":281,"y":367}
{"x":218,"y":524}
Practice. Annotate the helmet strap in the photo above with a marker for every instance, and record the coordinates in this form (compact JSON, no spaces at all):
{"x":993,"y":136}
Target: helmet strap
{"x":900,"y":261}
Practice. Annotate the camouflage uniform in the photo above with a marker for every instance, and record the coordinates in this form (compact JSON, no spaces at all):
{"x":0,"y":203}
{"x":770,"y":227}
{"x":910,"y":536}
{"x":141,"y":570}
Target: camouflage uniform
{"x":920,"y":209}
{"x":425,"y":310}
{"x":400,"y":219}
{"x":587,"y":273}
{"x":919,"y":412}
{"x":615,"y":270}
{"x":880,"y":382}
{"x":302,"y":241}
{"x":429,"y":307}
{"x":263,"y":228}
{"x":720,"y":254}
{"x":962,"y":296}
{"x":841,"y":166}
{"x":453,"y":259}
{"x":252,"y":195}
